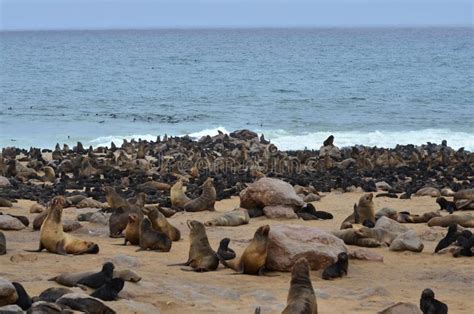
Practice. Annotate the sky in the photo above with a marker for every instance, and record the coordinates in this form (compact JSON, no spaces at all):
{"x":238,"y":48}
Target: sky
{"x":137,"y":14}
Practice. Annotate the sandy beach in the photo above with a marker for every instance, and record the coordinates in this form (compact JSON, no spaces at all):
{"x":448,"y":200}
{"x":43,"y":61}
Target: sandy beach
{"x":370,"y":286}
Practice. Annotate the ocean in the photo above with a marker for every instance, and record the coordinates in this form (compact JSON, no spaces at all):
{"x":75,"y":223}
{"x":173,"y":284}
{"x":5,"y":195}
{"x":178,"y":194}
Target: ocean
{"x":370,"y":86}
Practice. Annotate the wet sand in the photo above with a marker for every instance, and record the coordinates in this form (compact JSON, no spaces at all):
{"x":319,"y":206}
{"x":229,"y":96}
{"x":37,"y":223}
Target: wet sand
{"x":369,"y":286}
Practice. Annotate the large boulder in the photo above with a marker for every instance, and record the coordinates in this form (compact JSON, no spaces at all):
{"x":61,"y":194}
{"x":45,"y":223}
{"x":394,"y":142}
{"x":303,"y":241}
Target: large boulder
{"x":278,"y":211}
{"x":408,"y":241}
{"x":269,"y":192}
{"x":331,"y":150}
{"x":288,"y":243}
{"x":8,"y":293}
{"x":10,"y":223}
{"x":390,"y":225}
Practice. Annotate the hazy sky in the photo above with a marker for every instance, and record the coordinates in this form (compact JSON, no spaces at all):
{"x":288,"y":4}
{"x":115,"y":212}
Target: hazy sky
{"x":94,"y":14}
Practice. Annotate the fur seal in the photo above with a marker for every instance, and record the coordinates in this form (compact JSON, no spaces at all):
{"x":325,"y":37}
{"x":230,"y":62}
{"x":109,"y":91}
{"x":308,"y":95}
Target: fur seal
{"x":224,"y":252}
{"x":465,"y":242}
{"x":202,"y":257}
{"x":254,"y":257}
{"x":444,"y":204}
{"x":160,"y":223}
{"x":5,"y":203}
{"x":450,"y":238}
{"x":110,"y":290}
{"x":3,"y":244}
{"x":84,"y":303}
{"x":152,"y":239}
{"x":429,"y":305}
{"x":205,"y":201}
{"x":52,"y":294}
{"x":178,"y":197}
{"x":338,"y":269}
{"x":96,"y":280}
{"x":53,"y":238}
{"x":71,"y":279}
{"x":132,"y":231}
{"x":365,"y":209}
{"x":237,"y":217}
{"x":381,"y":235}
{"x":121,"y":209}
{"x":356,"y":237}
{"x":301,"y":297}
{"x":466,"y":221}
{"x":114,"y":199}
{"x":24,"y":301}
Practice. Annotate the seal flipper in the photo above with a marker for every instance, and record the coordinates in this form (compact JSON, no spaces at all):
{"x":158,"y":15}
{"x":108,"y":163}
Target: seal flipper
{"x":356,"y":214}
{"x":39,"y":249}
{"x":180,"y":264}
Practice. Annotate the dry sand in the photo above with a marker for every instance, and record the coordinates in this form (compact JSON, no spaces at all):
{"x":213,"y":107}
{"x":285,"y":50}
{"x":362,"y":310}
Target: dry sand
{"x":369,"y":287}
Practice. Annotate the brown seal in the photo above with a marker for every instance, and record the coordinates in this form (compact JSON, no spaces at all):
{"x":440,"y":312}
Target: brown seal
{"x":205,"y":201}
{"x":132,"y":231}
{"x":365,"y":209}
{"x":160,"y":223}
{"x":356,"y":237}
{"x":53,"y":238}
{"x":202,"y":257}
{"x":121,"y":209}
{"x":301,"y":296}
{"x":466,"y":221}
{"x":151,"y":239}
{"x":114,"y":199}
{"x":254,"y":258}
{"x":237,"y":217}
{"x":178,"y":197}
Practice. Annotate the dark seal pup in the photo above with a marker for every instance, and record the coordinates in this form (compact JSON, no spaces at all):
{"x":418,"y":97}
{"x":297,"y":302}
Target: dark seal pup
{"x":110,"y":290}
{"x":429,"y":305}
{"x":301,"y":296}
{"x":338,"y":269}
{"x":450,"y":238}
{"x":98,"y":279}
{"x":224,"y":252}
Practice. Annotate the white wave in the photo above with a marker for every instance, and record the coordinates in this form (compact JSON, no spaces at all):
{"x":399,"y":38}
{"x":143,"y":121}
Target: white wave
{"x":285,"y":140}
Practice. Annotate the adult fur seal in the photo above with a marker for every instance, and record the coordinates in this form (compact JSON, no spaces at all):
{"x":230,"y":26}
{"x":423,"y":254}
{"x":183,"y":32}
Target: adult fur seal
{"x":110,"y":290}
{"x":301,"y":297}
{"x":84,"y":303}
{"x":205,"y":201}
{"x":52,"y":294}
{"x":202,"y":257}
{"x":53,"y":238}
{"x":365,"y":209}
{"x":160,"y":223}
{"x":254,"y":258}
{"x":71,"y":279}
{"x":429,"y":305}
{"x":121,"y":209}
{"x":178,"y":197}
{"x":132,"y":231}
{"x":338,"y":269}
{"x":151,"y":239}
{"x":96,"y":280}
{"x":237,"y":217}
{"x":356,"y":237}
{"x":466,"y":221}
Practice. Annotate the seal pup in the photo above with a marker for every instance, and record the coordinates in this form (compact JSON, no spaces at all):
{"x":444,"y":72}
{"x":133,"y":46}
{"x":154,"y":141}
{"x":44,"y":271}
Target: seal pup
{"x":96,"y":280}
{"x":465,"y":242}
{"x":444,"y":204}
{"x":254,"y":257}
{"x":3,"y":244}
{"x":450,"y":238}
{"x":24,"y":301}
{"x":160,"y":223}
{"x":237,"y":217}
{"x":178,"y":197}
{"x":110,"y":290}
{"x":151,"y":239}
{"x":53,"y":238}
{"x":365,"y":209}
{"x":338,"y":269}
{"x":224,"y":251}
{"x":301,"y":297}
{"x":205,"y":201}
{"x":429,"y":305}
{"x":132,"y":231}
{"x":202,"y":257}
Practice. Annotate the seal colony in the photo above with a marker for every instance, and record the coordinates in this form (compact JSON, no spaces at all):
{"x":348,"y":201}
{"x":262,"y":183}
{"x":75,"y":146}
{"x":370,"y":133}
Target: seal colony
{"x":144,"y":191}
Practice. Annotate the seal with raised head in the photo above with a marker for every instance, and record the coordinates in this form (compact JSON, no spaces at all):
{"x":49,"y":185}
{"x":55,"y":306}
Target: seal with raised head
{"x":338,"y":269}
{"x":450,"y":238}
{"x":205,"y":201}
{"x":365,"y":209}
{"x":160,"y":223}
{"x":254,"y":257}
{"x":98,"y":279}
{"x":53,"y":238}
{"x":132,"y":231}
{"x":202,"y":257}
{"x":178,"y":197}
{"x":151,"y":239}
{"x":224,"y":251}
{"x":301,"y":297}
{"x":429,"y":305}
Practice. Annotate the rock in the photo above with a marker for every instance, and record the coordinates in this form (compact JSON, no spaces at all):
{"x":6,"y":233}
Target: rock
{"x":100,"y":218}
{"x":125,"y":261}
{"x":382,"y":185}
{"x":12,"y":308}
{"x":275,"y":212}
{"x":331,"y":150}
{"x":387,"y":212}
{"x":269,"y":192}
{"x":71,"y":225}
{"x":428,"y":191}
{"x":5,"y":203}
{"x":8,"y":293}
{"x":401,"y":308}
{"x":365,"y":255}
{"x":4,"y":182}
{"x":447,"y":192}
{"x":432,"y":234}
{"x":10,"y":223}
{"x":287,"y":243}
{"x":311,"y":197}
{"x":37,"y":208}
{"x":408,"y":241}
{"x":390,"y":225}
